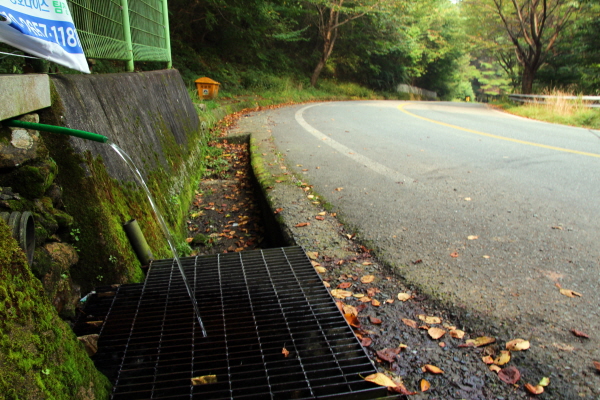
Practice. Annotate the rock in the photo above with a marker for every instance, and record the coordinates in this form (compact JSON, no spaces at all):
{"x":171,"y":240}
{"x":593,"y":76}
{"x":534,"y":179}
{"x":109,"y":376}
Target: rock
{"x":19,"y":146}
{"x":33,"y":179}
{"x":63,"y":254}
{"x":59,"y":287}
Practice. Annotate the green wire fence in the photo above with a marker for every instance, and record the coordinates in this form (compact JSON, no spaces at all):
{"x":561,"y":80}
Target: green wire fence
{"x":130,"y":30}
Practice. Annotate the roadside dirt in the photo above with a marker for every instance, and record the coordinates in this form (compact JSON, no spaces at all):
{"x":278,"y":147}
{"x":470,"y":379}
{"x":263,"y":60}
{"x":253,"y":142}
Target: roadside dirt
{"x":407,"y":336}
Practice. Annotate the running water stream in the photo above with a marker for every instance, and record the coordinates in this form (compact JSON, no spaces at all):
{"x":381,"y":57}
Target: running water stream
{"x":138,"y":176}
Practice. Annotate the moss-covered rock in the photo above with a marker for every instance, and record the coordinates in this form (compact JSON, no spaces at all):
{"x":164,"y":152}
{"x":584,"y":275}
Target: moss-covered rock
{"x":40,"y":357}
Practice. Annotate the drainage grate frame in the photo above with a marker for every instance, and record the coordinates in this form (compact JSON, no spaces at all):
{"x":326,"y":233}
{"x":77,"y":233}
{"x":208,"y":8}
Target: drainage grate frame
{"x":253,"y":305}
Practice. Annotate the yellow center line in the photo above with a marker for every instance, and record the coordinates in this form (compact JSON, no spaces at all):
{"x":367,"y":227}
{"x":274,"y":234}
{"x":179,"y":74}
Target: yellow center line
{"x":545,"y":146}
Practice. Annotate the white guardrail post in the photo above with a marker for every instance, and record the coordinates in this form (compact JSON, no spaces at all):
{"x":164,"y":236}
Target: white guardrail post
{"x":587,"y":101}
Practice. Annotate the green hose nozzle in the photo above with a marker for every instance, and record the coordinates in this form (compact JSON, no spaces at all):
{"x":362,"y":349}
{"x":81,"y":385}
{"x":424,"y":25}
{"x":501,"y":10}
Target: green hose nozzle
{"x":56,"y":129}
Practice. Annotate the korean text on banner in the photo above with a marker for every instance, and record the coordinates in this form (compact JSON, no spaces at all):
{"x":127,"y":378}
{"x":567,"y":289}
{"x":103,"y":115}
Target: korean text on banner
{"x":43,"y":28}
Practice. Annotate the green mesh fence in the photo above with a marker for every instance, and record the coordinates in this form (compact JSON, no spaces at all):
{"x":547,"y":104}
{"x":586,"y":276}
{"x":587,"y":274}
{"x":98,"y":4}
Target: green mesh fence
{"x":106,"y":32}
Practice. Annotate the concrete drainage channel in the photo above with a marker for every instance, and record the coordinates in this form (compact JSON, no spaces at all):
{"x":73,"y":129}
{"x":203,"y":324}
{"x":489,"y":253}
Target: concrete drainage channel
{"x":274,"y":332}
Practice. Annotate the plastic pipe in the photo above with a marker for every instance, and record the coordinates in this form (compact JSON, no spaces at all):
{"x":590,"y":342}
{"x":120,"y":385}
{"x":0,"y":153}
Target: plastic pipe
{"x":138,"y":242}
{"x":56,"y":129}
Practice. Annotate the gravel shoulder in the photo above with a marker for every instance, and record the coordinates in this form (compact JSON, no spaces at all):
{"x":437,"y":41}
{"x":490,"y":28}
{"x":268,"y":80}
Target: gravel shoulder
{"x":383,"y":320}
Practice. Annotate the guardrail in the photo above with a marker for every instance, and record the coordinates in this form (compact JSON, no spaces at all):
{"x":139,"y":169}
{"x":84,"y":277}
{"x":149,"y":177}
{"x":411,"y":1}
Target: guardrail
{"x":586,"y":101}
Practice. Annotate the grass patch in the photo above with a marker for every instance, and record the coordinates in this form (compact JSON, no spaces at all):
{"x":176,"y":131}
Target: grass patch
{"x":558,"y":111}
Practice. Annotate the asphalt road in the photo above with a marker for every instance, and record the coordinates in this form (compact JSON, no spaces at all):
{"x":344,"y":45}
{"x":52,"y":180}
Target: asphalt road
{"x":485,"y":211}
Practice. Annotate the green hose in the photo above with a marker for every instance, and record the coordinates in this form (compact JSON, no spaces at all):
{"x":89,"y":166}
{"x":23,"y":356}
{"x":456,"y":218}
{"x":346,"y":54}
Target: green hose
{"x":56,"y":129}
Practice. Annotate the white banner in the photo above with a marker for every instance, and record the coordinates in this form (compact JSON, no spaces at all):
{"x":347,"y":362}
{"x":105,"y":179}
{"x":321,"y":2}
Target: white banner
{"x":43,"y":28}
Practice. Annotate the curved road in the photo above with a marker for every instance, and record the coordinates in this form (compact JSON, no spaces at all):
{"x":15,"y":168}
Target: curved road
{"x":488,"y":211}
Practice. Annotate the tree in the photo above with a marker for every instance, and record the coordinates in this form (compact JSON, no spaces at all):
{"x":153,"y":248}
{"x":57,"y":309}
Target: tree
{"x":533,"y":27}
{"x":332,"y":14}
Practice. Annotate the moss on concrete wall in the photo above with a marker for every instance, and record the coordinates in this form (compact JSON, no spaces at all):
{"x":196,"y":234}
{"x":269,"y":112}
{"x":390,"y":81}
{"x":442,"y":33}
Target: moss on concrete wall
{"x":40,"y":357}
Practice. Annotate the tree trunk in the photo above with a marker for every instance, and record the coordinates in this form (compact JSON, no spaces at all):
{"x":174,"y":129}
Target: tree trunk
{"x":317,"y":72}
{"x":527,"y":80}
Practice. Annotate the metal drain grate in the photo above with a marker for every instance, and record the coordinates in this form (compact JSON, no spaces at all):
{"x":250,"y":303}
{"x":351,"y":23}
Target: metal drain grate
{"x":253,"y":305}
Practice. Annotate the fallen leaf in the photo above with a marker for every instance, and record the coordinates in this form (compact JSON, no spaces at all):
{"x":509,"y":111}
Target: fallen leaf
{"x":467,"y":199}
{"x":424,"y":327}
{"x":348,"y":309}
{"x":404,"y":296}
{"x":517,"y":345}
{"x":204,"y":380}
{"x":400,"y":388}
{"x":323,"y":213}
{"x":510,"y":375}
{"x":340,"y":294}
{"x":366,"y":342}
{"x":365,"y":299}
{"x":339,"y":189}
{"x":442,"y":344}
{"x":503,"y":358}
{"x":563,"y":347}
{"x":569,"y":293}
{"x":375,"y":320}
{"x":580,"y":334}
{"x":480,"y":341}
{"x":352,"y":320}
{"x":534,"y":389}
{"x":320,"y":270}
{"x":472,"y":237}
{"x":375,"y":303}
{"x":545,"y":381}
{"x":277,"y":210}
{"x":302,"y":224}
{"x":597,"y":365}
{"x":433,"y":369}
{"x":367,"y":278}
{"x":454,"y":255}
{"x":380,"y":379}
{"x":388,"y":355}
{"x":495,"y":368}
{"x":344,"y":285}
{"x":424,"y":385}
{"x":410,"y":322}
{"x":319,"y":218}
{"x":487,"y":360}
{"x":457,"y":333}
{"x":313,"y":255}
{"x":430,"y":320}
{"x":326,"y":284}
{"x":486,"y":256}
{"x":436,"y":333}
{"x":367,"y":263}
{"x":390,"y":301}
{"x":285,"y":352}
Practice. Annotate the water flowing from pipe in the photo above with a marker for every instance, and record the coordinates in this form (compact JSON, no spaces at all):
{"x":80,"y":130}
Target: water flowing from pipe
{"x":138,"y":176}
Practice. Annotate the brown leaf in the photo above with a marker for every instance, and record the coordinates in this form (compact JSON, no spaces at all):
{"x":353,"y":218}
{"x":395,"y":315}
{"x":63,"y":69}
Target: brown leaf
{"x":375,"y":321}
{"x":339,"y":189}
{"x":488,"y":360}
{"x":518,"y":345}
{"x":326,"y":284}
{"x":510,"y":375}
{"x":388,"y":355}
{"x":424,"y":385}
{"x":457,"y":333}
{"x":320,"y":270}
{"x":400,"y":388}
{"x":366,"y":342}
{"x":380,"y":379}
{"x":580,"y":334}
{"x":534,"y":389}
{"x":344,"y":285}
{"x":597,"y":365}
{"x":433,"y":369}
{"x":285,"y":352}
{"x":204,"y":380}
{"x":569,"y":293}
{"x":375,"y":303}
{"x":410,"y":322}
{"x":320,"y":218}
{"x":480,"y":341}
{"x":436,"y":333}
{"x":472,"y":237}
{"x":454,"y":255}
{"x":302,"y":224}
{"x":404,"y":296}
{"x":367,"y":278}
{"x":352,"y":320}
{"x":313,"y":255}
{"x":430,"y":320}
{"x":340,"y":294}
{"x":495,"y":368}
{"x":364,"y":299}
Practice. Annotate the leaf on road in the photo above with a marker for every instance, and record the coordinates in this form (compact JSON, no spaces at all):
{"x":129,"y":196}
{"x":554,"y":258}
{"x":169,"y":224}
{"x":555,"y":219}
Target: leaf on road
{"x":424,"y":385}
{"x":375,"y":303}
{"x":323,"y":213}
{"x":285,"y":352}
{"x":380,"y":379}
{"x":400,"y":388}
{"x":302,"y":224}
{"x":510,"y":375}
{"x":367,"y":278}
{"x":340,"y":294}
{"x":430,"y":320}
{"x":432,"y":368}
{"x":404,"y":296}
{"x":503,"y":358}
{"x":352,"y":320}
{"x":472,"y":237}
{"x":436,"y":333}
{"x":388,"y":355}
{"x":366,"y":342}
{"x":480,"y":341}
{"x":320,"y":218}
{"x":348,"y":309}
{"x":486,"y":256}
{"x":488,"y":360}
{"x":495,"y":368}
{"x":375,"y":320}
{"x":580,"y":334}
{"x":320,"y":270}
{"x":569,"y":293}
{"x":518,"y":345}
{"x":544,"y":382}
{"x":454,"y":255}
{"x":457,"y":333}
{"x":410,"y":322}
{"x":597,"y":365}
{"x":534,"y":389}
{"x":326,"y":284}
{"x":365,"y":299}
{"x":467,"y":199}
{"x":344,"y":285}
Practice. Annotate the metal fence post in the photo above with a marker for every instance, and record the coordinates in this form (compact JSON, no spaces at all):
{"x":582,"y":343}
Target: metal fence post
{"x":127,"y":33}
{"x":167,"y":34}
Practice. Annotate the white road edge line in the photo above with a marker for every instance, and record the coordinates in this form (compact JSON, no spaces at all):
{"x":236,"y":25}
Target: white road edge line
{"x":348,"y":152}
